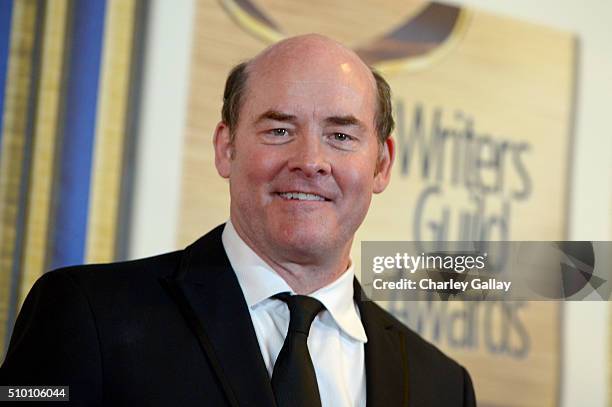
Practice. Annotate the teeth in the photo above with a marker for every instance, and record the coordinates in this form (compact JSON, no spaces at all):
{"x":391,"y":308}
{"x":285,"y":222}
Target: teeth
{"x":301,"y":196}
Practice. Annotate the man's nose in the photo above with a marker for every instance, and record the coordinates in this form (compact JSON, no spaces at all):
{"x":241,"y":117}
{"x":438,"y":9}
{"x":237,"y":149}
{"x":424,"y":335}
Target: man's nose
{"x":309,"y":157}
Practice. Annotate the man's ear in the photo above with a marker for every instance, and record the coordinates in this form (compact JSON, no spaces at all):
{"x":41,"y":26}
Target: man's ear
{"x":384,"y":165}
{"x":223,"y":149}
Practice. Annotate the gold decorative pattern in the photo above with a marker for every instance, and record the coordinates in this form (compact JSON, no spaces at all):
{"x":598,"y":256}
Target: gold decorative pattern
{"x":14,"y":134}
{"x":110,"y":130}
{"x":46,"y":137}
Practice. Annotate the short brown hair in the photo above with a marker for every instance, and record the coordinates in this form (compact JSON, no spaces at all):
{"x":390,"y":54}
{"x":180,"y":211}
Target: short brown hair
{"x":235,"y":87}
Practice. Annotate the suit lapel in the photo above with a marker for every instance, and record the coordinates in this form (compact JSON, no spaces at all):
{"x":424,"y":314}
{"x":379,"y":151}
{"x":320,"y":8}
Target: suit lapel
{"x":385,"y":357}
{"x":209,"y":297}
{"x":207,"y":292}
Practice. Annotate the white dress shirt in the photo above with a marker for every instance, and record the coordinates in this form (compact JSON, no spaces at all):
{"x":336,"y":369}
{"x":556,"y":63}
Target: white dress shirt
{"x":337,"y":337}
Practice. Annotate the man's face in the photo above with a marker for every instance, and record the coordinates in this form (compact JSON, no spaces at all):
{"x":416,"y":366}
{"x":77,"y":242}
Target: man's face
{"x":304,"y":161}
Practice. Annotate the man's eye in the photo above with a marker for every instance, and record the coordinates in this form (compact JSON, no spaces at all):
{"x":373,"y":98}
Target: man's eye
{"x":342,"y":137}
{"x":280,"y":132}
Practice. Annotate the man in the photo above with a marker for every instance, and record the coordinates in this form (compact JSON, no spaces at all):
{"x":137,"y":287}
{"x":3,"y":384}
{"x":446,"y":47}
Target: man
{"x":264,"y":310}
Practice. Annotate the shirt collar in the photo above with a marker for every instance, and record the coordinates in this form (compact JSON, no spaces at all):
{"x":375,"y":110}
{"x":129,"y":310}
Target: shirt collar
{"x":259,"y":282}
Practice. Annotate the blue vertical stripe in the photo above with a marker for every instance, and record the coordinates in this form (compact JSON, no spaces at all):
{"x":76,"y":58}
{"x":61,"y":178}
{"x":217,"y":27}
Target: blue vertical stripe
{"x":6,"y":11}
{"x":71,"y":201}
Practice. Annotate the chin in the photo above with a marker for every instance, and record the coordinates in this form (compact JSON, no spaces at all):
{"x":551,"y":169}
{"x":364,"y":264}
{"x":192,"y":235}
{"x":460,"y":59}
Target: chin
{"x":305,"y":240}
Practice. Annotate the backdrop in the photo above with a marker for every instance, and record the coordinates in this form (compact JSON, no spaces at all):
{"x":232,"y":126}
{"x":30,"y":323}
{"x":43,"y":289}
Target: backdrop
{"x":484,"y":109}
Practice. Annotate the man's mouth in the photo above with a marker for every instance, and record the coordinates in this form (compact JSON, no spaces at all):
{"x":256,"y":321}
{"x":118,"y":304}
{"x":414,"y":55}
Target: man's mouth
{"x":301,"y":196}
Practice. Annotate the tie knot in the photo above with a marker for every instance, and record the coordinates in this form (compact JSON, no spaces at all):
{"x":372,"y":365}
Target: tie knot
{"x":302,"y":310}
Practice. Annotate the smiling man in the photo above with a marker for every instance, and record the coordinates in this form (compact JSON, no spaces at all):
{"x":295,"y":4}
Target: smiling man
{"x":264,"y":310}
{"x":303,"y":155}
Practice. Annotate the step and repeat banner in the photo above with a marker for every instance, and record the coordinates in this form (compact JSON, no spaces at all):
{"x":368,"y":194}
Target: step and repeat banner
{"x":484,"y":108}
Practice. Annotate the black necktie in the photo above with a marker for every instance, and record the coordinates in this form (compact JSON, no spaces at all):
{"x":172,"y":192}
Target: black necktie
{"x":294,"y":380}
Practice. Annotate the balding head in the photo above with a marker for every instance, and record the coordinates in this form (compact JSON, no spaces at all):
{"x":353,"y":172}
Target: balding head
{"x":325,"y":60}
{"x":311,"y":51}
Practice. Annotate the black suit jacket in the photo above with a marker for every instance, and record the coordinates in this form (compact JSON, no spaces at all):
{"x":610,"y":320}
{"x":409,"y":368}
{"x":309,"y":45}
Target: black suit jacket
{"x":175,"y":330}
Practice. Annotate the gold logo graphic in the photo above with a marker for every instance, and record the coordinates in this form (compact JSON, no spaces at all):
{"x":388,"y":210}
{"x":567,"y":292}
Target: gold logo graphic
{"x":422,"y":35}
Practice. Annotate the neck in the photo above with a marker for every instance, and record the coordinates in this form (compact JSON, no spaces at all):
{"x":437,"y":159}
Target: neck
{"x":304,"y":272}
{"x":307,"y":278}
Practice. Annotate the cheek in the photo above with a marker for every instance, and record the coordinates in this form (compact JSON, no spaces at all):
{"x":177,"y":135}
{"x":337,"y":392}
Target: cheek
{"x":357,"y":191}
{"x":357,"y":176}
{"x":253,"y":170}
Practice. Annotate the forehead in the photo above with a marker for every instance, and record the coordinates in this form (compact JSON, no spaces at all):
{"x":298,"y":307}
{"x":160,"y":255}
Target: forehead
{"x":315,"y":83}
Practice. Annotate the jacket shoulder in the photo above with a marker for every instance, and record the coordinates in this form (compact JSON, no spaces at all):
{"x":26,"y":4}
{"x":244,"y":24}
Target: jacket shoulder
{"x":119,"y":288}
{"x":154,"y":267}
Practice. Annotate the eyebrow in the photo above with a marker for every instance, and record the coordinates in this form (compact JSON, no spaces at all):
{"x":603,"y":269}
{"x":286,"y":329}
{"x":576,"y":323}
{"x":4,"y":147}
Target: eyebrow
{"x":276,"y":116}
{"x":348,"y":120}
